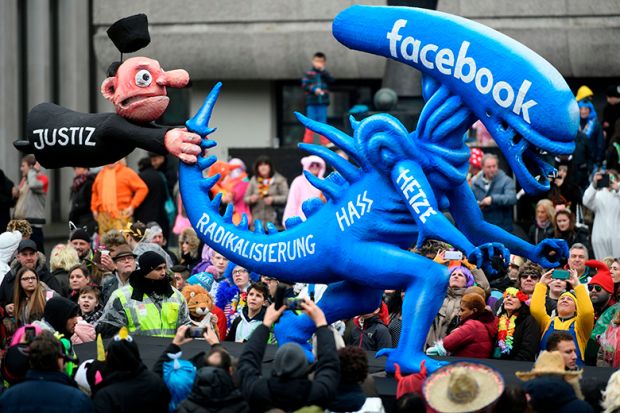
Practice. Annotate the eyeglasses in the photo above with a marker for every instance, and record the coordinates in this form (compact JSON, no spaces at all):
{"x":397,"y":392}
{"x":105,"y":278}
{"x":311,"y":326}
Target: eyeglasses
{"x":596,"y":288}
{"x":533,"y":277}
{"x":240,"y":271}
{"x":125,"y":258}
{"x":29,"y":278}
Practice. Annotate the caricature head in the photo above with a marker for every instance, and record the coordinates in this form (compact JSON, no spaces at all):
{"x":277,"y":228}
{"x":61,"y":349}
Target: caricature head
{"x":138,"y":88}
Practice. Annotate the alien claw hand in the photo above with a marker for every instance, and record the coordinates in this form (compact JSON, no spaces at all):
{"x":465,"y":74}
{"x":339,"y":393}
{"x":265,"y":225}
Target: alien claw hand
{"x":488,"y":256}
{"x":183,"y":144}
{"x":550,"y":252}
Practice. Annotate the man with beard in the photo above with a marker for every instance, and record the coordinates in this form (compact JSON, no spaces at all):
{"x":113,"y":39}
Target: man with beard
{"x":601,"y":288}
{"x":149,"y":305}
{"x":81,"y":242}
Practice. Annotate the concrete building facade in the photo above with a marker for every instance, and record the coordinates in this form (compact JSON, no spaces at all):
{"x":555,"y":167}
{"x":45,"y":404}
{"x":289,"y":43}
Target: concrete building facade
{"x":57,"y":50}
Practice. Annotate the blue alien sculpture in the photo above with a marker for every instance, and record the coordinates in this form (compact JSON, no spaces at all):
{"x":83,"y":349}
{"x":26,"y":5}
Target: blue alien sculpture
{"x":392,"y":196}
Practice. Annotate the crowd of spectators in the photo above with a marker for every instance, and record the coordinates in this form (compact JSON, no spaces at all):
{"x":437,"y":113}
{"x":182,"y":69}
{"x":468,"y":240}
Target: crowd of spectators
{"x":116,"y":276}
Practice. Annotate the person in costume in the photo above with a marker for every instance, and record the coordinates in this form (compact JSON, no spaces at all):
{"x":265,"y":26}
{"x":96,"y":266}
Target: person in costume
{"x":574,"y":313}
{"x":518,"y":333}
{"x":267,"y":192}
{"x":301,"y":189}
{"x":137,"y":89}
{"x":117,"y":192}
{"x":149,"y":305}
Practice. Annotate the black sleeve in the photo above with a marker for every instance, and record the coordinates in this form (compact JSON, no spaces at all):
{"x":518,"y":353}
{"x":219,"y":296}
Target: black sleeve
{"x":5,"y":289}
{"x":61,"y":137}
{"x":528,"y":347}
{"x":6,"y":194}
{"x":254,"y":387}
{"x":233,"y":329}
{"x":158,"y":367}
{"x":327,"y":374}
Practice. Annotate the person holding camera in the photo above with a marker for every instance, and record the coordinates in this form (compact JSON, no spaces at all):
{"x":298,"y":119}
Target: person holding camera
{"x":574,"y":312}
{"x":288,"y":388}
{"x":603,"y":199}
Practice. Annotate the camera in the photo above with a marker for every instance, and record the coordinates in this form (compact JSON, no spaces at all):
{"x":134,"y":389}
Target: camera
{"x":603,"y":182}
{"x":194,"y":332}
{"x":293,"y":303}
{"x":30,"y":334}
{"x":560,"y":275}
{"x":453,"y":255}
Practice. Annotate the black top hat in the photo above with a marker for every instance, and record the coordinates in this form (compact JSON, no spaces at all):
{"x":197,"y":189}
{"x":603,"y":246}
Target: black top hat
{"x":130,"y":34}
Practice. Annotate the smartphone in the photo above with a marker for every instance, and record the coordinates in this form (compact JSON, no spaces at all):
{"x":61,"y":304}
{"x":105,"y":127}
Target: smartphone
{"x":293,"y":303}
{"x":560,"y":275}
{"x":278,"y":298}
{"x":194,"y":332}
{"x":603,"y":182}
{"x":453,"y":255}
{"x":30,"y":334}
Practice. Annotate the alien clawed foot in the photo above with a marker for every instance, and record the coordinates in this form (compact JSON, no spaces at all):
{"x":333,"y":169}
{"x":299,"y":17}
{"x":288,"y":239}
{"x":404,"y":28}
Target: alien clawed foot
{"x":409,"y":361}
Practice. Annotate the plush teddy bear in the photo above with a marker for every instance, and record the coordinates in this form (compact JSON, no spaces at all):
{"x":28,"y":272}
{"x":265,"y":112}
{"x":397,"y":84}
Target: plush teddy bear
{"x":200,"y":305}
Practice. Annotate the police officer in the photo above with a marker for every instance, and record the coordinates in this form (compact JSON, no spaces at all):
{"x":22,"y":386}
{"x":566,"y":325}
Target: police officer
{"x":149,"y":305}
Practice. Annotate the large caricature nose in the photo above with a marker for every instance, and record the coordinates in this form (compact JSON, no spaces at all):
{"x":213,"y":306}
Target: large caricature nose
{"x":173,"y":78}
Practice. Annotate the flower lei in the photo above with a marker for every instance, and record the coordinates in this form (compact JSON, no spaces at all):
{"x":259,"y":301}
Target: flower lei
{"x":505,"y":335}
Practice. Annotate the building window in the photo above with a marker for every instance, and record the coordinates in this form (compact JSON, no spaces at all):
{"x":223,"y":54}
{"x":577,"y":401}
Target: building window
{"x":345,"y":94}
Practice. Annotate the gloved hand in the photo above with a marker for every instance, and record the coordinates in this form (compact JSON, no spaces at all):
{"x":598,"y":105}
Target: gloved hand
{"x":437,"y":350}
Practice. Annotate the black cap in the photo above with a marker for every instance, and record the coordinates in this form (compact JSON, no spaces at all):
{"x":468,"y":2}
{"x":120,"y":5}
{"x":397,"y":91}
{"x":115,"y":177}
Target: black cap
{"x":80,"y":233}
{"x":27,"y":244}
{"x":147,"y":262}
{"x":613,"y":91}
{"x":130,"y":34}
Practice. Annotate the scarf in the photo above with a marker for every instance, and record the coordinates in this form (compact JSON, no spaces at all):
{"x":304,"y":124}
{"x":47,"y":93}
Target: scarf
{"x":263,"y":186}
{"x":108,"y":190}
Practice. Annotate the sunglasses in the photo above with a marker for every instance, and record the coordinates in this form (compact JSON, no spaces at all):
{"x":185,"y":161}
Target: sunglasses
{"x":533,"y":277}
{"x":596,"y":288}
{"x":315,"y":165}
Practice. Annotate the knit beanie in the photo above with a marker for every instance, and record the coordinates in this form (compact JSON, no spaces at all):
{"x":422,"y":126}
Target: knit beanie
{"x":290,"y":362}
{"x":123,"y":353}
{"x":80,"y":233}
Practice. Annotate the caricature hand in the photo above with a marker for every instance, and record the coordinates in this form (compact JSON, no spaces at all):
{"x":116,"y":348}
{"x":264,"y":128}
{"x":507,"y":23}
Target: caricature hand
{"x":183,"y":144}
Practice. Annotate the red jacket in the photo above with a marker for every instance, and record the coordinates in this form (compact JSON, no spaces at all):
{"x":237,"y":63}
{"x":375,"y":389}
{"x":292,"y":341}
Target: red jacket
{"x":473,"y":338}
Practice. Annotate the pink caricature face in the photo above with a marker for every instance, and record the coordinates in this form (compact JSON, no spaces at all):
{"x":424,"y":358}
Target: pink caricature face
{"x":138,"y":91}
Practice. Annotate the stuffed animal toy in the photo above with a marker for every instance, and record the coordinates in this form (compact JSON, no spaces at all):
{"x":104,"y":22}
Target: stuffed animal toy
{"x":201,"y":308}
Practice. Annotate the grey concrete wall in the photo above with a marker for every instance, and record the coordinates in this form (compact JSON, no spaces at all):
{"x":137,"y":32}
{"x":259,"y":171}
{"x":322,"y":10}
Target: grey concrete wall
{"x":219,"y":39}
{"x":244,"y":114}
{"x":580,"y":38}
{"x":10,"y":113}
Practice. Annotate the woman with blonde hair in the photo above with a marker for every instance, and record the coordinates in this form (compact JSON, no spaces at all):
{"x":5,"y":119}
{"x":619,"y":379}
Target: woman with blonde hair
{"x":62,"y":258}
{"x":543,"y":228}
{"x":189,"y":245}
{"x":611,"y":394}
{"x":29,"y":297}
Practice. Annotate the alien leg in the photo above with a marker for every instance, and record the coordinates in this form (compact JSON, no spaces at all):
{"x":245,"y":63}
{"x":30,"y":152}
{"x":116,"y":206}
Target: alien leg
{"x":341,"y":300}
{"x":425,"y":283}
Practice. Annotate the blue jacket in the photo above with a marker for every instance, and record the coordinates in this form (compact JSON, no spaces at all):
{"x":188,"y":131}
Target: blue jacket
{"x":316,"y":79}
{"x":503,"y":195}
{"x":45,"y":391}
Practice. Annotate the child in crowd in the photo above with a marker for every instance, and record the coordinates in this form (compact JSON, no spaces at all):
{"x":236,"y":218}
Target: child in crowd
{"x":90,"y":307}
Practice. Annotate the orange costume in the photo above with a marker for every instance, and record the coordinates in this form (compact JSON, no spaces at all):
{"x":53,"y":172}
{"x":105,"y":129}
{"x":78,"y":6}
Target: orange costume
{"x":116,"y":188}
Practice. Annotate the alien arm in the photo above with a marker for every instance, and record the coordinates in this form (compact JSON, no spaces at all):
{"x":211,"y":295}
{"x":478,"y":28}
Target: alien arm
{"x":411,"y":183}
{"x":470,"y":221}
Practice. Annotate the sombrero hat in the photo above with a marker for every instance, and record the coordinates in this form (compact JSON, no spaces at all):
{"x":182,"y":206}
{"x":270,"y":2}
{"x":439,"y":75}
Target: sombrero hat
{"x":463,"y":387}
{"x":549,"y":362}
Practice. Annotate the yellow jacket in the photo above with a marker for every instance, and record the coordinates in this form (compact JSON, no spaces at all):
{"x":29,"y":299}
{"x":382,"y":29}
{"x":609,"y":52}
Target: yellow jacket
{"x":584,"y":319}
